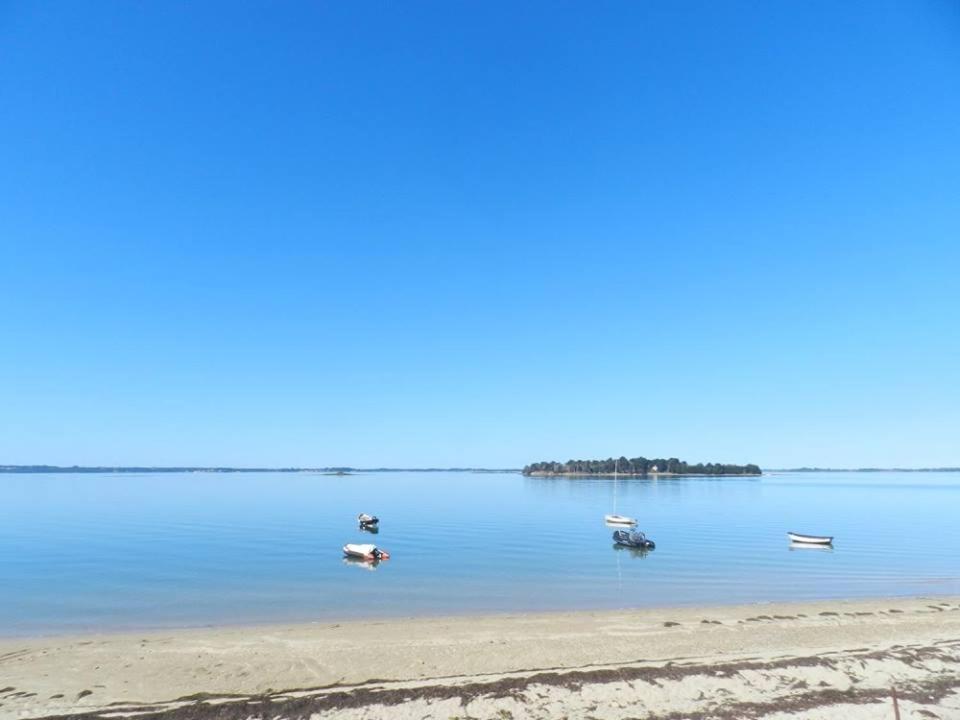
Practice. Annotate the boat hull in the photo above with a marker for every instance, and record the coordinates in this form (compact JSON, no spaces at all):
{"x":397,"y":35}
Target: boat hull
{"x":810,"y":539}
{"x":619,"y":520}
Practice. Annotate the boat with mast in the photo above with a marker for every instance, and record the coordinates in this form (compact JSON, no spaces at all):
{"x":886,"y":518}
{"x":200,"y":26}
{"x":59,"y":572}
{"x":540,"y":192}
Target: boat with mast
{"x":614,"y":518}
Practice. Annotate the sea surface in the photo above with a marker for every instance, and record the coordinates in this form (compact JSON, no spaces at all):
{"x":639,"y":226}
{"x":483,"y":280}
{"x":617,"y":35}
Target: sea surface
{"x":136,"y":551}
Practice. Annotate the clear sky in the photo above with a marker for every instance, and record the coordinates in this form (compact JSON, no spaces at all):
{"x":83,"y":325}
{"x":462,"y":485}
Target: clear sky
{"x":451,"y":233}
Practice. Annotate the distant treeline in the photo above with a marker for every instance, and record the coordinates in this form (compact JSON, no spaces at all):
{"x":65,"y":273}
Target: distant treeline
{"x":638,"y":466}
{"x":869,"y":469}
{"x":133,"y":469}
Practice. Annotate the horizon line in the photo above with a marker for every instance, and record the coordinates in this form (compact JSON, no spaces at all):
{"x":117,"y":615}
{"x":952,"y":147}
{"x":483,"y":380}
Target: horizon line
{"x":41,"y":468}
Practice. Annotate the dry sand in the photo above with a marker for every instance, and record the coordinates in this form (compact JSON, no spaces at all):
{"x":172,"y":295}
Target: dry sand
{"x":773,"y":661}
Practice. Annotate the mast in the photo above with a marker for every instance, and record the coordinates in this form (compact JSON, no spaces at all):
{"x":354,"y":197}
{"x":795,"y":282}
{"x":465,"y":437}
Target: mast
{"x":616,"y":466}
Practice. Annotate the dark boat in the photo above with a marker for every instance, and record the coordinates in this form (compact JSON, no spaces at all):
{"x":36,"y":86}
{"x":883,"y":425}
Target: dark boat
{"x":367,"y":522}
{"x":633,"y":539}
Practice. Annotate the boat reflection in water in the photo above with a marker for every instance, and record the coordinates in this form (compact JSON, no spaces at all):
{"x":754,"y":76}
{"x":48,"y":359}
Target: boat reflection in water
{"x":372,"y":529}
{"x":370,"y":565}
{"x":809,"y":546}
{"x":634,"y":552}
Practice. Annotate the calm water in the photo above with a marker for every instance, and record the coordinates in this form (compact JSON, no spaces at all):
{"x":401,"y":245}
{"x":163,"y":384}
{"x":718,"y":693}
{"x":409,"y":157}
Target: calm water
{"x":84,"y":552}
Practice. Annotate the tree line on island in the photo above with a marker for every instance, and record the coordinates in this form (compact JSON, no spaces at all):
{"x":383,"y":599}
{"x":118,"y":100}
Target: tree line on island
{"x":638,"y":466}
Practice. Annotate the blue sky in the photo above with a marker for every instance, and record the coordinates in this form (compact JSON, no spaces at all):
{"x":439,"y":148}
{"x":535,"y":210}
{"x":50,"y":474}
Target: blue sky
{"x":446,"y":233}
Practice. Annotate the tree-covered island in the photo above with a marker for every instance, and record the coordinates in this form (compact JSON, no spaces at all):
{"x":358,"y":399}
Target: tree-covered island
{"x":637,"y":466}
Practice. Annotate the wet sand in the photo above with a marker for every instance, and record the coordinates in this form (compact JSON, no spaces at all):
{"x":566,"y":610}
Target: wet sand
{"x":831,"y":659}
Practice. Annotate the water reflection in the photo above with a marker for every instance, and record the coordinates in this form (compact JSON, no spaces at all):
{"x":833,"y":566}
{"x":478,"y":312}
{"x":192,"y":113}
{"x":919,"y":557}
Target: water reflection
{"x":634,"y":552}
{"x":809,"y":546}
{"x":370,"y":565}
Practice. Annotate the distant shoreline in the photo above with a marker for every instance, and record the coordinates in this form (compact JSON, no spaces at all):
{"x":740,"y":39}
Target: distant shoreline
{"x":26,"y":469}
{"x":81,"y":469}
{"x":865,"y":469}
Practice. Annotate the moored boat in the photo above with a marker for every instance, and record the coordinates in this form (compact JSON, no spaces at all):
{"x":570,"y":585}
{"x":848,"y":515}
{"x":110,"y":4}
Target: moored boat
{"x":613,"y":518}
{"x":633,"y":539}
{"x":366,"y":520}
{"x":810,"y":539}
{"x":365,"y":551}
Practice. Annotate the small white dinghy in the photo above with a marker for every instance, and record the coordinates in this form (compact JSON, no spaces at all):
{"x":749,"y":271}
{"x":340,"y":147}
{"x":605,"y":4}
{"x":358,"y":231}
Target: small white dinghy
{"x":810,"y":539}
{"x":365,"y":551}
{"x":364,"y":519}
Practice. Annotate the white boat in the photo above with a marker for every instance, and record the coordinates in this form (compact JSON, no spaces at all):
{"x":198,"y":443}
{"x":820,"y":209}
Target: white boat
{"x":365,"y":551}
{"x":810,"y":539}
{"x":613,"y":518}
{"x":365,"y":519}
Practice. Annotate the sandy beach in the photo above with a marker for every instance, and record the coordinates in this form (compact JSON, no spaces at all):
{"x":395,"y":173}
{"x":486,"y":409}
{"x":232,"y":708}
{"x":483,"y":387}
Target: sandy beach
{"x":832,"y":659}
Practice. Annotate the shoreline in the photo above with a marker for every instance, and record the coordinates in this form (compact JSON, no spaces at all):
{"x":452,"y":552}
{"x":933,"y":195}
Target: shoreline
{"x":649,"y":662}
{"x":81,"y":634}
